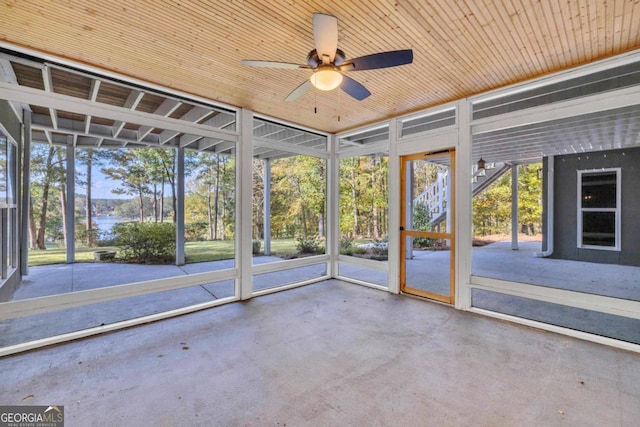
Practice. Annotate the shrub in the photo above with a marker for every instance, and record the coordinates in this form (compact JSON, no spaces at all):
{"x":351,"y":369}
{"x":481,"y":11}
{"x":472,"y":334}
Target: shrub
{"x":309,"y":245}
{"x":256,"y":247}
{"x":148,"y":243}
{"x":346,"y":245}
{"x":86,"y":237}
{"x":359,"y":251}
{"x":194,"y":231}
{"x":380,"y":247}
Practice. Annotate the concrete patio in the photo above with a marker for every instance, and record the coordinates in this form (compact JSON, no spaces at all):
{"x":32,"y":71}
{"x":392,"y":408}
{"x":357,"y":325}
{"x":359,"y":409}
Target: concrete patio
{"x":330,"y":353}
{"x":496,"y":260}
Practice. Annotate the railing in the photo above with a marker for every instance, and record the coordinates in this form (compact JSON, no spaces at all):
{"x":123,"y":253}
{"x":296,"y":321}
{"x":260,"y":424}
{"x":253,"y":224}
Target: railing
{"x":434,"y":197}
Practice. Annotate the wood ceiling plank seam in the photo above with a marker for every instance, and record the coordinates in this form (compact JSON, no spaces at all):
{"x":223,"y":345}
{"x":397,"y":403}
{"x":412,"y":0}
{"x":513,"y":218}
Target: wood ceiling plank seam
{"x":438,"y":55}
{"x":529,"y":63}
{"x":598,"y":31}
{"x":281,"y":34}
{"x":634,"y":26}
{"x":551,"y":34}
{"x":509,"y":33}
{"x":460,"y":56}
{"x":559,"y":10}
{"x":540,"y":39}
{"x":530,"y":34}
{"x":487,"y":18}
{"x":625,"y":25}
{"x":575,"y":20}
{"x":586,"y":34}
{"x":481,"y":17}
{"x":616,"y":25}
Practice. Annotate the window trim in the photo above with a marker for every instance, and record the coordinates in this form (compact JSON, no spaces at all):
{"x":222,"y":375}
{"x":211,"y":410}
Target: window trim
{"x":617,"y":210}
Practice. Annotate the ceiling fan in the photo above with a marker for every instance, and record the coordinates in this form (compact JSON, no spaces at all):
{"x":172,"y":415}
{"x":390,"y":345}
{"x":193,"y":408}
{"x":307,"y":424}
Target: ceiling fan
{"x":329,"y":63}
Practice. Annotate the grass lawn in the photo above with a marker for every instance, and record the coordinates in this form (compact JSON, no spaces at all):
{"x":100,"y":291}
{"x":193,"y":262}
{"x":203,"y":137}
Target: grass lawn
{"x":194,"y":252}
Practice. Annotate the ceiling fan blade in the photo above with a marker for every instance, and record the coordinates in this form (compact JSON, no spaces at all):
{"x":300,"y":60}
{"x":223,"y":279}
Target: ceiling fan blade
{"x":299,"y":91}
{"x":379,"y":60}
{"x":353,"y":88}
{"x":271,"y":64}
{"x":325,"y":36}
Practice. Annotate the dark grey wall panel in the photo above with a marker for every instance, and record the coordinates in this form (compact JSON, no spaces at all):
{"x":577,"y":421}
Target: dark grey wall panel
{"x":566,"y":199}
{"x":9,"y":120}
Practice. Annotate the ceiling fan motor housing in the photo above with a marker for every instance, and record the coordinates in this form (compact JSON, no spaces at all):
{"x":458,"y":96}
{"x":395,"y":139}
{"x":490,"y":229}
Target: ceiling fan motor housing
{"x":313,"y":60}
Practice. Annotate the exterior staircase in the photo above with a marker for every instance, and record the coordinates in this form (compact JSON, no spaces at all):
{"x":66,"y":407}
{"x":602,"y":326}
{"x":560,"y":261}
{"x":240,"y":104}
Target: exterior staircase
{"x":434,"y":197}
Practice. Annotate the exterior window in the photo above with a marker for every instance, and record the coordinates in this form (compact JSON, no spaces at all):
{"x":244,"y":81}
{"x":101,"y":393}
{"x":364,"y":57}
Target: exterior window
{"x":599,"y":209}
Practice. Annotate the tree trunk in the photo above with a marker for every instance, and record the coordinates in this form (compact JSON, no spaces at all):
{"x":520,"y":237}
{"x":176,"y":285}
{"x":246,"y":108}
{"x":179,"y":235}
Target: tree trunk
{"x":63,"y":209}
{"x":354,"y":201}
{"x":209,"y":210}
{"x":88,"y":207}
{"x":155,"y":202}
{"x":162,"y":201}
{"x":33,"y":234}
{"x":40,"y":243}
{"x":141,"y":199}
{"x":216,"y":198}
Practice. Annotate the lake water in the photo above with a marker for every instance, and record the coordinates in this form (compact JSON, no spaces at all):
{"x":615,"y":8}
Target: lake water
{"x":105,"y":223}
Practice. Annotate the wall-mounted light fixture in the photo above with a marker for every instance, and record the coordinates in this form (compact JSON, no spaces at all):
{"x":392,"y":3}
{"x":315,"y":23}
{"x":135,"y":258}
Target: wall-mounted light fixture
{"x":481,"y":164}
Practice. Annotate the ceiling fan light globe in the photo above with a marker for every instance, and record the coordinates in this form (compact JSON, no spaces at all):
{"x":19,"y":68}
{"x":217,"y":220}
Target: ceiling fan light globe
{"x":326,"y":79}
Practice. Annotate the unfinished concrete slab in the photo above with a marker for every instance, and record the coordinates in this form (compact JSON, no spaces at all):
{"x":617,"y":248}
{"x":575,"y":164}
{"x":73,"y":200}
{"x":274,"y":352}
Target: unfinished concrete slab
{"x":330,"y":353}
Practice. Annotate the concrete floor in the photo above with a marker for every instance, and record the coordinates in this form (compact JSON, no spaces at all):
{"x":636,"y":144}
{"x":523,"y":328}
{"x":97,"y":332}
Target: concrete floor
{"x":334,"y":354}
{"x":61,"y":278}
{"x":429,"y":270}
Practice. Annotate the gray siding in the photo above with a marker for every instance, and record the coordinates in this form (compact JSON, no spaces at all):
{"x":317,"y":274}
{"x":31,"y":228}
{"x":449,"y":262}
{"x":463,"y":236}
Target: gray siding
{"x":566,"y":199}
{"x":11,"y":123}
{"x":9,"y":120}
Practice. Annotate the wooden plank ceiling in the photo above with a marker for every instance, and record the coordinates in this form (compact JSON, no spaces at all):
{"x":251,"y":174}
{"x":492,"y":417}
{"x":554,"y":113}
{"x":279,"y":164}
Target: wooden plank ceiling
{"x":460,"y":47}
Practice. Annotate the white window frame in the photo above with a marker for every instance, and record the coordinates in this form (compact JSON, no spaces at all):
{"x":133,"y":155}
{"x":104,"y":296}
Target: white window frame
{"x":617,"y":210}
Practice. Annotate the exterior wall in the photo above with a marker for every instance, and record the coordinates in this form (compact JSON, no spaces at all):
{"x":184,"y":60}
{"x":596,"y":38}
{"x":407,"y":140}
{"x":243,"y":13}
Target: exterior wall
{"x":9,"y":120}
{"x":566,"y":197}
{"x":11,"y":123}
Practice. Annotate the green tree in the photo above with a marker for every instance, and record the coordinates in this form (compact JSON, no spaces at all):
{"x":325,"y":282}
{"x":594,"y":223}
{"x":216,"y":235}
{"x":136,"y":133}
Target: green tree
{"x":48,"y":175}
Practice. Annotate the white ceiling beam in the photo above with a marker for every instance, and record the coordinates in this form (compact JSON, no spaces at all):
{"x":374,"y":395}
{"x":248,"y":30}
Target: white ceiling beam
{"x":206,"y":143}
{"x":7,"y":75}
{"x":221,"y":120}
{"x":292,"y":149}
{"x":111,"y":112}
{"x":625,"y":97}
{"x":48,"y":86}
{"x":165,"y":109}
{"x":134,"y":98}
{"x":186,"y":140}
{"x":76,"y":127}
{"x":194,"y":115}
{"x":93,"y":95}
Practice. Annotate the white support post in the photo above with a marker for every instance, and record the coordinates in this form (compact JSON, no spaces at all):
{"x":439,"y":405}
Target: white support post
{"x":70,"y":219}
{"x":514,"y":207}
{"x":332,"y":198}
{"x":409,"y":209}
{"x":4,"y":242}
{"x":180,"y":257}
{"x":244,"y":187}
{"x":25,"y":194}
{"x":266,"y":208}
{"x":464,"y":228}
{"x":393,"y":278}
{"x":448,"y":201}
